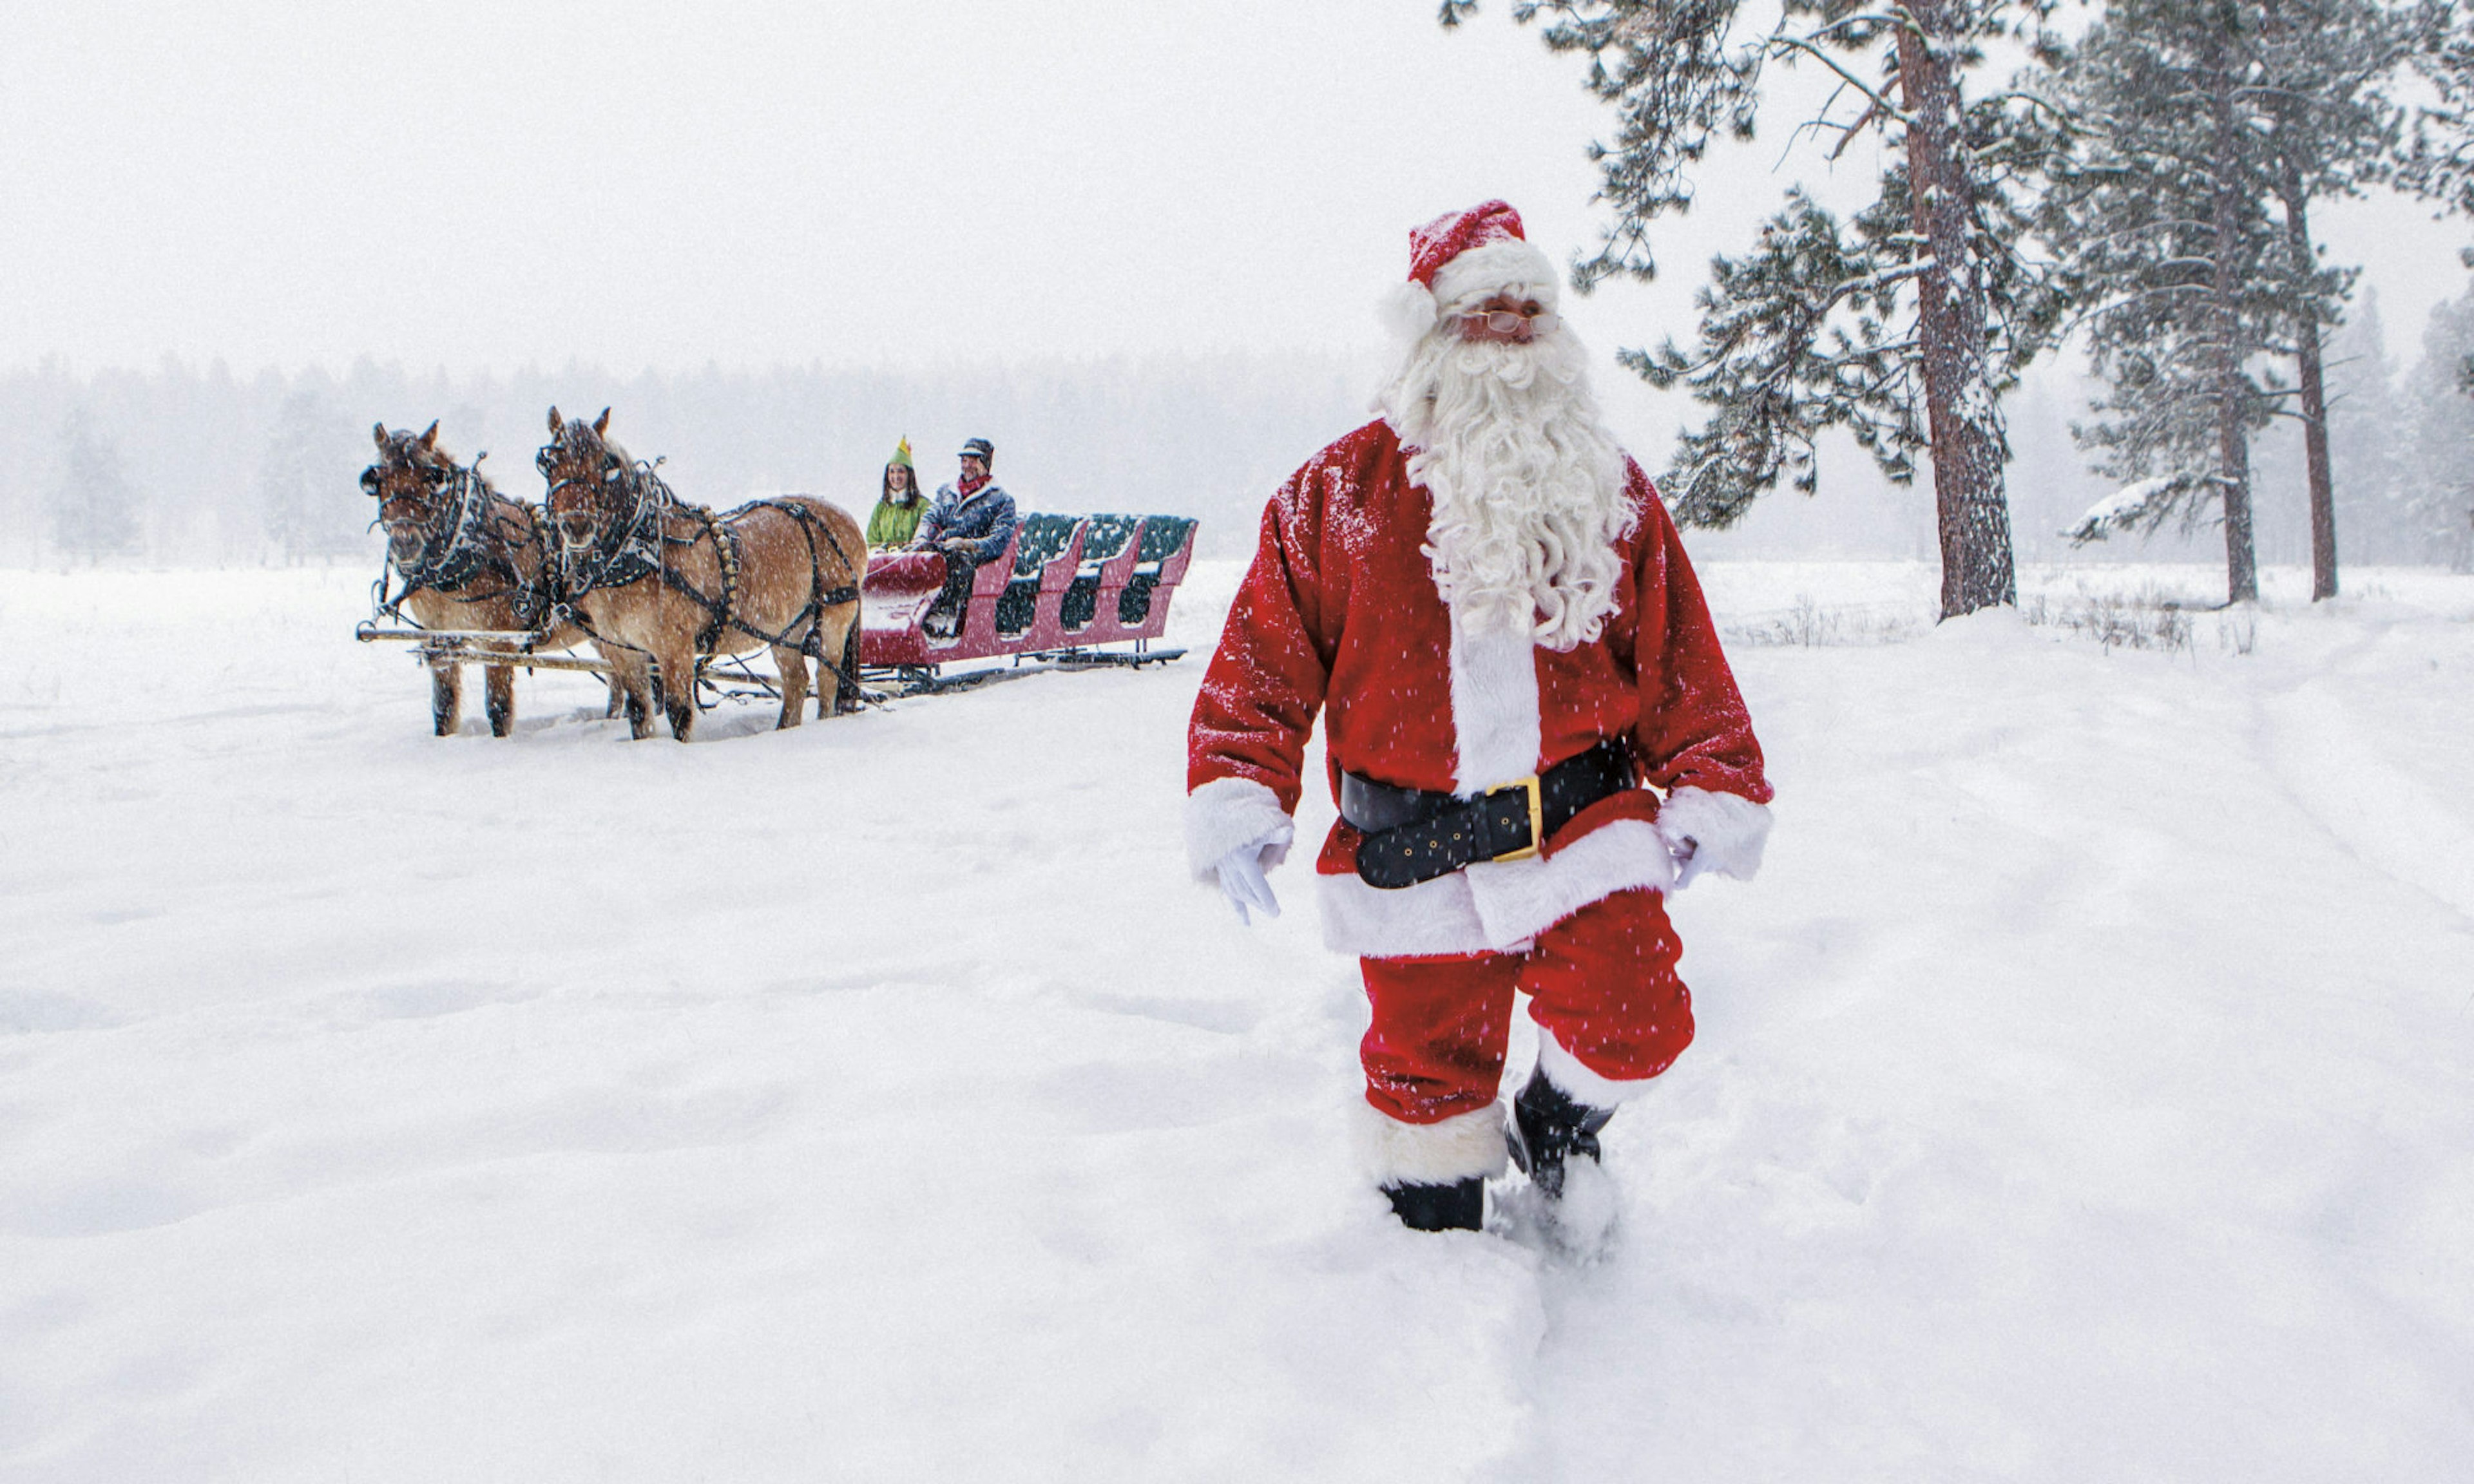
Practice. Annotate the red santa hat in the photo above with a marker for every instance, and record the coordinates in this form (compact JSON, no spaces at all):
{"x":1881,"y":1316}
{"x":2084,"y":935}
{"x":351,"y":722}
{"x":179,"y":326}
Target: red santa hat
{"x":1460,"y":259}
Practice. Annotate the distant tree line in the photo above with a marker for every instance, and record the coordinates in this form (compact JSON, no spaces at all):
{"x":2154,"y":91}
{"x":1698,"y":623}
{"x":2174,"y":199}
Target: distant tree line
{"x":2146,"y":186}
{"x":189,"y":466}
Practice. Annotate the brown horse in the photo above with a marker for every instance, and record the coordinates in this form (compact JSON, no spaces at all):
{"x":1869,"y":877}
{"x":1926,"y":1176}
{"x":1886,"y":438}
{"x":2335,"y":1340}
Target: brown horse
{"x":655,"y":583}
{"x":464,"y":557}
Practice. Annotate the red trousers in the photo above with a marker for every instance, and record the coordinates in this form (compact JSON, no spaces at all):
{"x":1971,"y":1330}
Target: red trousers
{"x":1602,"y":982}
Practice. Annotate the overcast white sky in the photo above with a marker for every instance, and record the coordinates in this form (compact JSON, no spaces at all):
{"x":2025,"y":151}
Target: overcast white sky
{"x":485,"y":183}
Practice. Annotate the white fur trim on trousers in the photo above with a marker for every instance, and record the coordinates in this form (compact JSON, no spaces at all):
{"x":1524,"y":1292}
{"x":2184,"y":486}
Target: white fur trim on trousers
{"x":1492,"y":906}
{"x":1226,"y":813}
{"x":1728,"y":829}
{"x":1580,"y":1084}
{"x":1461,"y":1147}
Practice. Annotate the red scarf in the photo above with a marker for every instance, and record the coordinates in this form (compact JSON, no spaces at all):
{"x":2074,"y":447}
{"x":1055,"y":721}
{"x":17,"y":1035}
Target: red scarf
{"x":966,"y":488}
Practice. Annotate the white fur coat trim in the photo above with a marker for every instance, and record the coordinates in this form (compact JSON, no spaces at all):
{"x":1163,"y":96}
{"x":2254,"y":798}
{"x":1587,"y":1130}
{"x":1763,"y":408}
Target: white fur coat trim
{"x":1582,"y":1084}
{"x":1226,"y":813}
{"x":1493,"y":906}
{"x":1494,"y":706}
{"x":1465,"y":1146}
{"x":1729,"y":829}
{"x":1517,"y":900}
{"x":1431,"y":916}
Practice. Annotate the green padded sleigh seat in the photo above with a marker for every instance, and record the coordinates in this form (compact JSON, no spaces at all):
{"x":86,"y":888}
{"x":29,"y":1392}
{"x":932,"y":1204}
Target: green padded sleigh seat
{"x":1163,"y":537}
{"x":1040,"y":539}
{"x":1102,"y":543}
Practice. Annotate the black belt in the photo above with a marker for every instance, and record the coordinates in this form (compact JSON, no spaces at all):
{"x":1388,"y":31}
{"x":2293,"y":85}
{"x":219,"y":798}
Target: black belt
{"x":1416,"y":834}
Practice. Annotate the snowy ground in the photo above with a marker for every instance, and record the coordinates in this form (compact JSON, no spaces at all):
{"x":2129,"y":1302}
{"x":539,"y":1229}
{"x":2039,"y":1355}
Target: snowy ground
{"x":2081,"y":1092}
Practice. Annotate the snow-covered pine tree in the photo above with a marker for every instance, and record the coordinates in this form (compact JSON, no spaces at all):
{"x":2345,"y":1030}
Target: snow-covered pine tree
{"x":2440,"y":161}
{"x":2321,"y":70}
{"x":2435,"y":508}
{"x":2366,"y":420}
{"x":307,"y":495}
{"x":94,"y":508}
{"x":1902,"y":324}
{"x":2159,"y":210}
{"x":2188,"y":119}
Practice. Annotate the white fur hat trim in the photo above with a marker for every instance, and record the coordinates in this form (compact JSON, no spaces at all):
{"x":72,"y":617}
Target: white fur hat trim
{"x":1506,"y":265}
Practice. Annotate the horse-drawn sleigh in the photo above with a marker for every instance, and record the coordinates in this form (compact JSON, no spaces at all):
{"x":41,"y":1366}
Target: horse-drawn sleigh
{"x":668,"y":595}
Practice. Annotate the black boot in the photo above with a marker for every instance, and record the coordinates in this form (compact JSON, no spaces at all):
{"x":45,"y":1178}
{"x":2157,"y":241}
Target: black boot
{"x":1549,"y":1127}
{"x":1454,"y":1207}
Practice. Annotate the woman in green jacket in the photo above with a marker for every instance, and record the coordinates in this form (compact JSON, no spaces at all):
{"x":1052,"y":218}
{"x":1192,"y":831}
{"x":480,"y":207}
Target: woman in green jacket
{"x":898,"y":505}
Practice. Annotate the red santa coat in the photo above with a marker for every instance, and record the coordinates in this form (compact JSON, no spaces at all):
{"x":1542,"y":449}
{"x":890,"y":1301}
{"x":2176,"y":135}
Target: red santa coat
{"x":1339,"y":613}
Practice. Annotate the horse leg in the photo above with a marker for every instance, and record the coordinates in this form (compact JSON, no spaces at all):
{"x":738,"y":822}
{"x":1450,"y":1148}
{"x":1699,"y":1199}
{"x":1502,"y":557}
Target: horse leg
{"x":618,"y":696}
{"x":678,"y":690}
{"x":836,"y":696}
{"x":445,"y":698}
{"x":629,"y":682}
{"x":499,"y":697}
{"x":792,"y":667}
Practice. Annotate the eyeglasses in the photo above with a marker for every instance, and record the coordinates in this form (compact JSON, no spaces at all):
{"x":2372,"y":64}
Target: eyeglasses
{"x":1505,"y":321}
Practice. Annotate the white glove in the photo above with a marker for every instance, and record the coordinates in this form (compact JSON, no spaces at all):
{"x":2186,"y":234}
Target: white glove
{"x":1241,"y":881}
{"x":1689,"y":862}
{"x":1713,"y":832}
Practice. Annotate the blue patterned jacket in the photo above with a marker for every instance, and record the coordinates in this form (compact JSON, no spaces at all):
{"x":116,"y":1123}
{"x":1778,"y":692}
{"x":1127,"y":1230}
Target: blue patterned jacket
{"x":987,"y":519}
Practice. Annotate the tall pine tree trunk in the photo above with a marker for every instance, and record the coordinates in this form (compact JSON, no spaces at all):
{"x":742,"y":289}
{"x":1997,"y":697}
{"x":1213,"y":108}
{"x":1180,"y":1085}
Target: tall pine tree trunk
{"x":2233,"y":438}
{"x":2315,"y":397}
{"x":1973,"y":507}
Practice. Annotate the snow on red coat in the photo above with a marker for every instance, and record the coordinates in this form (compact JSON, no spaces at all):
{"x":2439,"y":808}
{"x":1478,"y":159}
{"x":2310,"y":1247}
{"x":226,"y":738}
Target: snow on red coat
{"x":1339,"y":614}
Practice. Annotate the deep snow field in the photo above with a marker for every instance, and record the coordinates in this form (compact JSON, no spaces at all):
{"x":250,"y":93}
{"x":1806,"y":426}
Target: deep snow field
{"x":2084,"y":1093}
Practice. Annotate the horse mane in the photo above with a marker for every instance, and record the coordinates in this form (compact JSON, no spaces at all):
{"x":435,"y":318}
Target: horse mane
{"x":403,"y":447}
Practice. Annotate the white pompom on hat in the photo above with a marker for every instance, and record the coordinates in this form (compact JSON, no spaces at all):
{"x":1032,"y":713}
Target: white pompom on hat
{"x":1460,"y":259}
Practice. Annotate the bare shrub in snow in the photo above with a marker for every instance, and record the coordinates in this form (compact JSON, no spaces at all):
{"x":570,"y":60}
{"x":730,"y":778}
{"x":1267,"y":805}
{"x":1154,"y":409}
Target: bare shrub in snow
{"x":1811,"y":624}
{"x":2148,"y":618}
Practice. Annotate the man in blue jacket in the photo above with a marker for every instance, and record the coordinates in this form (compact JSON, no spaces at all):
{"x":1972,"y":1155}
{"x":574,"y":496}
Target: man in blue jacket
{"x":971,"y":522}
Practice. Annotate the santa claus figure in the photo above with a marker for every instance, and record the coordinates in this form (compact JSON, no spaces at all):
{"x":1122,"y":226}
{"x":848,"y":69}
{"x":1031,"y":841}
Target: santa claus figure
{"x":1531,"y":731}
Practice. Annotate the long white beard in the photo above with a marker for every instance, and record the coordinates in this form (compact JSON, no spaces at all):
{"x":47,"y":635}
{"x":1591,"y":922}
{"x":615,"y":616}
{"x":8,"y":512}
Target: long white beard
{"x":1528,"y":485}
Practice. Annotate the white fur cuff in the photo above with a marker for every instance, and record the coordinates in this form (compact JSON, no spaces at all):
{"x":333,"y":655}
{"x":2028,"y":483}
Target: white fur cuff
{"x":1465,"y":1146}
{"x":1582,"y":1084}
{"x":1226,"y":813}
{"x":1727,"y":831}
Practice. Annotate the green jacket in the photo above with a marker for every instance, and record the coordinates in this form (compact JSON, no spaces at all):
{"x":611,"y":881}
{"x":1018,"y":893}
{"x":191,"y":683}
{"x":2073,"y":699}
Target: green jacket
{"x":894,"y":526}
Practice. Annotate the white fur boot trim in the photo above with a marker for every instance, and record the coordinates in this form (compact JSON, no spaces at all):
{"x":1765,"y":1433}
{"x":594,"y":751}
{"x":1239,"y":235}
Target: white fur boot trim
{"x":1465,"y":1146}
{"x":1226,"y":813}
{"x":1580,"y":1084}
{"x":1729,"y":829}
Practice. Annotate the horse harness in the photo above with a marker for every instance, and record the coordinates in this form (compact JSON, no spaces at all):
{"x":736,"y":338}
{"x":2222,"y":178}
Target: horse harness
{"x":474,"y":547}
{"x":638,"y":548}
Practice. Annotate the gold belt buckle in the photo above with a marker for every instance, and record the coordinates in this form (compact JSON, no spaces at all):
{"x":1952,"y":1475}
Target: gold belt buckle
{"x":1537,"y":817}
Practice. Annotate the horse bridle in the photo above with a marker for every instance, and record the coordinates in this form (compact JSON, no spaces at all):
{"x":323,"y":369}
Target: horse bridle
{"x":451,"y":549}
{"x":627,"y":548}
